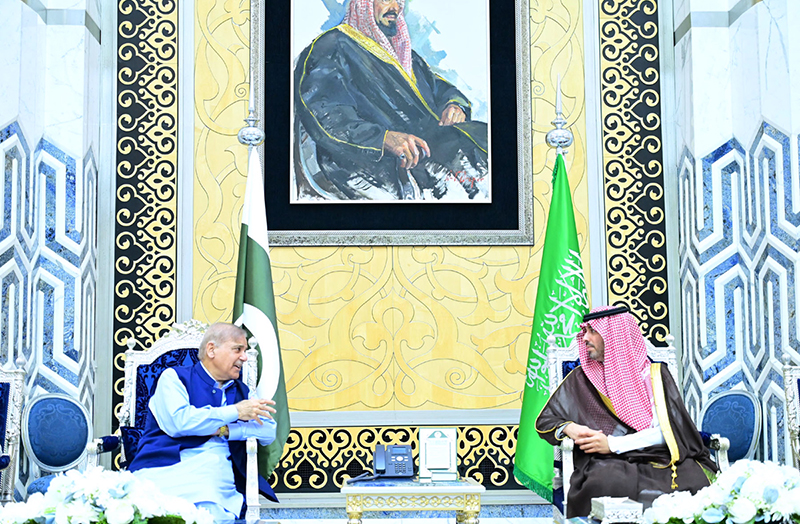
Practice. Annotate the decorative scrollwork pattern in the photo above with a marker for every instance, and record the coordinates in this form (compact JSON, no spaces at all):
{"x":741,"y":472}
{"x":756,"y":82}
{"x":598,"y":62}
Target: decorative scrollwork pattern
{"x":321,"y":459}
{"x":633,"y":162}
{"x":384,"y":328}
{"x":146,"y":197}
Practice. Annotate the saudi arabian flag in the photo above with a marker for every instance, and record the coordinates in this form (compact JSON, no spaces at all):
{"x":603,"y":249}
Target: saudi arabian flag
{"x":560,"y":305}
{"x":254,"y":308}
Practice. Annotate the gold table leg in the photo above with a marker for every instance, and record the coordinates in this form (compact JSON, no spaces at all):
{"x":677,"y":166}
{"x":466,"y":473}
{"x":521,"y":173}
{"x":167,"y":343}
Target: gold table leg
{"x":355,"y":507}
{"x":353,"y":517}
{"x":470,"y":517}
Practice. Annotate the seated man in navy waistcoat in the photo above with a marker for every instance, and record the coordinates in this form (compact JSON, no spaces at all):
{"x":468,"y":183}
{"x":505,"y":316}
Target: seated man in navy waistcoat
{"x":193,"y":444}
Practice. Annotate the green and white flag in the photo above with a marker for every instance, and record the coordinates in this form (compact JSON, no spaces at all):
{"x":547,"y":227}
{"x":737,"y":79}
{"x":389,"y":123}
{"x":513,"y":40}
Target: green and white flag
{"x":560,"y":305}
{"x":254,"y":308}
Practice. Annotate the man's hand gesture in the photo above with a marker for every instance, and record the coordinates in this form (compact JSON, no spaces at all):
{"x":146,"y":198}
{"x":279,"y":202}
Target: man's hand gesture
{"x":452,"y":114}
{"x":589,"y":440}
{"x":254,"y":408}
{"x":409,"y":148}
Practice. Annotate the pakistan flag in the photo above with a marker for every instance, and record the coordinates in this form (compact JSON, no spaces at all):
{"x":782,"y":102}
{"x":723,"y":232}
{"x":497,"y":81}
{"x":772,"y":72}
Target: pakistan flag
{"x":560,"y":305}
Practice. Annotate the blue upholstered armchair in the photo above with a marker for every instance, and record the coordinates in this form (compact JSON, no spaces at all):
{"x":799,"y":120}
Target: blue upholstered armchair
{"x":142,"y":370}
{"x":791,"y":390}
{"x":57,"y":435}
{"x":12,"y":383}
{"x":736,"y":416}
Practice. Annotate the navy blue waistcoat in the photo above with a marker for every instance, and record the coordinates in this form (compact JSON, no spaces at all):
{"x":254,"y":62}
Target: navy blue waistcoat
{"x":157,"y":449}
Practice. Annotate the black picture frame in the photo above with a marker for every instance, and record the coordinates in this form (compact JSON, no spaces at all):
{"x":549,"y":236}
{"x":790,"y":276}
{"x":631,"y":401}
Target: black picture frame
{"x":507,"y":220}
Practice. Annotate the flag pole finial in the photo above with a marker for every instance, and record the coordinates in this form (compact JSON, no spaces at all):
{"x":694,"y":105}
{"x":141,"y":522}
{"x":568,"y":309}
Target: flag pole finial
{"x":251,"y":135}
{"x":559,"y":138}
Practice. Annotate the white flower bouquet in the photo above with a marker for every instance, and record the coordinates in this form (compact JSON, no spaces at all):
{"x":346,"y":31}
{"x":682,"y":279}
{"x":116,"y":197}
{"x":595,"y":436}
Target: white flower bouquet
{"x":105,"y":497}
{"x":748,"y":492}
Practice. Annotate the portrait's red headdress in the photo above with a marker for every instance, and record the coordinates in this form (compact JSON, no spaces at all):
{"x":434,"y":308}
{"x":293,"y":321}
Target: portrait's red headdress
{"x":361,"y":16}
{"x":623,"y":376}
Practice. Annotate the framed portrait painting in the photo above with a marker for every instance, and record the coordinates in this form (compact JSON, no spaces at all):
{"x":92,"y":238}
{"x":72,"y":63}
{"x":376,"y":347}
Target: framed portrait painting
{"x":402,"y":122}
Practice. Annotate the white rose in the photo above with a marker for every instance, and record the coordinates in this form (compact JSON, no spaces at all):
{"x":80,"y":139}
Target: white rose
{"x":683,"y":506}
{"x":753,"y":489}
{"x":712,"y":495}
{"x":661,"y":510}
{"x":62,"y":514}
{"x":17,"y":512}
{"x":119,"y":512}
{"x":785,"y":505}
{"x":660,"y":515}
{"x":80,"y":512}
{"x":742,"y":510}
{"x":34,"y":507}
{"x":148,"y":506}
{"x":794,"y":497}
{"x":59,"y":488}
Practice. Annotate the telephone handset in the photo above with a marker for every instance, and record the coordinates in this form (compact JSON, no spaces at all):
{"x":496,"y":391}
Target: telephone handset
{"x":393,"y":461}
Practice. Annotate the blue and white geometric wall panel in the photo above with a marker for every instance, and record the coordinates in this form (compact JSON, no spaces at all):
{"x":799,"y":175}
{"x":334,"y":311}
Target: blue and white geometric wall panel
{"x":739,"y":246}
{"x":48,"y":268}
{"x":16,"y":242}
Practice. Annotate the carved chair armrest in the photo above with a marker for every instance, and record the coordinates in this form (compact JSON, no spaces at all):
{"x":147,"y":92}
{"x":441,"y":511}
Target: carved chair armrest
{"x":251,"y":487}
{"x":101,"y":445}
{"x":567,"y":467}
{"x":721,"y":445}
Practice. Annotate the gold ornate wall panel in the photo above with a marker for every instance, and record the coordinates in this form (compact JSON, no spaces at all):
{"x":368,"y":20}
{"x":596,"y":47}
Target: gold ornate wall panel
{"x":633,"y":167}
{"x":321,"y":459}
{"x":383,"y":328}
{"x":146,"y":176}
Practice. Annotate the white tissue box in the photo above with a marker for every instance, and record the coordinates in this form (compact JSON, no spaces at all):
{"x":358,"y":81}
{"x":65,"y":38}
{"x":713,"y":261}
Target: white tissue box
{"x":610,"y":510}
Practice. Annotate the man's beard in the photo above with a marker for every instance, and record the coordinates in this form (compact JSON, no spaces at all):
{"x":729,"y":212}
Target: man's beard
{"x":389,"y":30}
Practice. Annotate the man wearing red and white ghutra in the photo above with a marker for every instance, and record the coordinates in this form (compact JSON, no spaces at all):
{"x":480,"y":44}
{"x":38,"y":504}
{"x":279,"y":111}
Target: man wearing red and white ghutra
{"x":374,"y":122}
{"x":631,"y":429}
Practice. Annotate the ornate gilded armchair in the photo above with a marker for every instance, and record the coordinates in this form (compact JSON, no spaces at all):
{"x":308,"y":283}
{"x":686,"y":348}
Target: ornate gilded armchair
{"x":12,"y":383}
{"x":142,"y":370}
{"x":791,"y":389}
{"x":560,"y":362}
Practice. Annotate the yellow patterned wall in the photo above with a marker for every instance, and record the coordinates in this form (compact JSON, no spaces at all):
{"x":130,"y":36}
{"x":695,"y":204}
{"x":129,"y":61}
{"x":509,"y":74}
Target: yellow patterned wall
{"x":393,"y":327}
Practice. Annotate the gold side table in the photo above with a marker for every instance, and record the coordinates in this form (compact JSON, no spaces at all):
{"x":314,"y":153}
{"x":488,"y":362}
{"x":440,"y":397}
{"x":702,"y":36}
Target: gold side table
{"x":462,"y":496}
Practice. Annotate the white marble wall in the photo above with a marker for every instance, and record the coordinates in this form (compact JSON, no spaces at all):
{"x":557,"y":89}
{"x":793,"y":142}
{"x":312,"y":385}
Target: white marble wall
{"x":49,"y":136}
{"x":738,"y":127}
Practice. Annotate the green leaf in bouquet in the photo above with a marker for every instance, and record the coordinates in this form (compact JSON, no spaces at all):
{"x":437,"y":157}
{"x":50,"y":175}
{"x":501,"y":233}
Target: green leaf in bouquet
{"x":166,"y":519}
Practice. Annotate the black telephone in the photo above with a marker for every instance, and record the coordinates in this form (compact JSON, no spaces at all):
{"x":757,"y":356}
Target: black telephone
{"x":393,"y":461}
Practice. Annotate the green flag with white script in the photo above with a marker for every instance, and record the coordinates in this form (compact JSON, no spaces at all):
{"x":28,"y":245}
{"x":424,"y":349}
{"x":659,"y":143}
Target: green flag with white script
{"x":254,"y":309}
{"x":560,"y":305}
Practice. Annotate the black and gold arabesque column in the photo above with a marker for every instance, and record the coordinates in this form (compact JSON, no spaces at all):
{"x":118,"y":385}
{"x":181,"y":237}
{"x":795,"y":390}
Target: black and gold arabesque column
{"x":145,"y":239}
{"x":633,"y":167}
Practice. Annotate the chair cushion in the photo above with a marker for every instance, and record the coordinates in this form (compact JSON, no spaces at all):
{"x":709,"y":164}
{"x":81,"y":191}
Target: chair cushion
{"x":40,"y":485}
{"x":130,"y":442}
{"x":567,"y":366}
{"x":147,"y":377}
{"x":733,"y":416}
{"x":58,"y":431}
{"x":5,"y":394}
